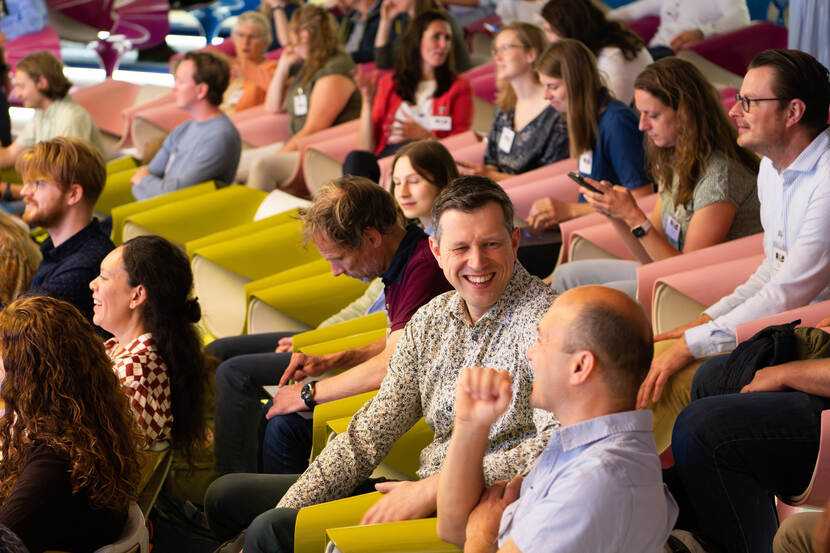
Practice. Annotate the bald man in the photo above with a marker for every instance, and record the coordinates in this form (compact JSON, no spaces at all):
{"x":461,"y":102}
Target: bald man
{"x":598,"y":486}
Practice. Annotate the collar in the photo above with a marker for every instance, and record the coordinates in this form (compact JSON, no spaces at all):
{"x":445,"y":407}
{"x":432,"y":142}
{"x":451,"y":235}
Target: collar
{"x":809,"y":156}
{"x":397,"y":268}
{"x":592,"y":430}
{"x":72,"y":244}
{"x":141,"y":344}
{"x":520,"y":281}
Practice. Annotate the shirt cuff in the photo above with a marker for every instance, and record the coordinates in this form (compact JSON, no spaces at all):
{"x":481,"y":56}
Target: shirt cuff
{"x":708,"y":339}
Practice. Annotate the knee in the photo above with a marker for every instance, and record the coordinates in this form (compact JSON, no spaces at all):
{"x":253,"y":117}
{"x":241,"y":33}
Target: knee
{"x":219,"y":500}
{"x":230,"y":375}
{"x":796,"y":533}
{"x":689,"y":430}
{"x":272,"y":532}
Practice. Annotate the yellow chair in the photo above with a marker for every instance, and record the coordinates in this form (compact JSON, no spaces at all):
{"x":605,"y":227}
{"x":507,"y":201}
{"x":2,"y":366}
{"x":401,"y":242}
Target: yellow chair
{"x":122,"y":212}
{"x":121,"y":164}
{"x":222,"y":269}
{"x":407,"y":536}
{"x":275,"y":303}
{"x":207,"y":214}
{"x":118,"y":190}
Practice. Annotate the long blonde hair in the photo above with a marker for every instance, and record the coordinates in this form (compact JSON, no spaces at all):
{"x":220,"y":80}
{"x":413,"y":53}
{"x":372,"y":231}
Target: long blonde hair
{"x":531,"y":37}
{"x":571,"y":61}
{"x":323,"y":43}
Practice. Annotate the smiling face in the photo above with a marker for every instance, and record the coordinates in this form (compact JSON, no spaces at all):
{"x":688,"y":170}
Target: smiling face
{"x":112,"y":295}
{"x":477,"y":255}
{"x":365,"y":263}
{"x":657,"y":119}
{"x":436,"y":43}
{"x":763,"y":127}
{"x":46,"y":202}
{"x":414,"y":193}
{"x":28,"y":90}
{"x":510,"y":56}
{"x":249,"y":42}
{"x":556,"y":93}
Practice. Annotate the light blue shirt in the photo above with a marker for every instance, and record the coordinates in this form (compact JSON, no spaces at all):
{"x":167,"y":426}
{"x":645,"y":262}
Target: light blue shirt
{"x":596,"y":488}
{"x":795,"y":214}
{"x":24,"y":17}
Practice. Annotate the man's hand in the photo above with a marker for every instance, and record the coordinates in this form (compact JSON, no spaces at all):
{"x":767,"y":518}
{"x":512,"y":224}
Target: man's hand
{"x":139,"y":174}
{"x":680,"y":330}
{"x":484,"y":520}
{"x":768,"y":379}
{"x":686,"y":37}
{"x":482,"y":395}
{"x":403,"y":501}
{"x":303,"y":365}
{"x":285,"y":344}
{"x":287,"y":400}
{"x":662,"y":367}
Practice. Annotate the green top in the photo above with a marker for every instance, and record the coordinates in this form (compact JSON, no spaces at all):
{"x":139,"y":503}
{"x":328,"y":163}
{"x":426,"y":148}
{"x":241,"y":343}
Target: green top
{"x":339,"y":64}
{"x":723,"y":181}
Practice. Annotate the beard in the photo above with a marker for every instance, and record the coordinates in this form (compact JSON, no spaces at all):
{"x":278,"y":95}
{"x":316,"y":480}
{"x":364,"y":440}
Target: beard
{"x":44,"y":217}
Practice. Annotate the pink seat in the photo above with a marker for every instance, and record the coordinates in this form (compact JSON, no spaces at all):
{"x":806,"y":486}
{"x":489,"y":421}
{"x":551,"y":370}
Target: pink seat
{"x":129,"y":114}
{"x":166,"y":116}
{"x":647,"y":275}
{"x":460,"y":140}
{"x":107,"y":102}
{"x":483,"y":26}
{"x":727,"y":95}
{"x":645,"y":27}
{"x":483,"y":69}
{"x":259,"y":127}
{"x":484,"y":87}
{"x":548,"y":171}
{"x":559,"y":186}
{"x":734,"y":50}
{"x":810,"y":315}
{"x":567,"y":228}
{"x":46,"y":39}
{"x":706,"y":285}
{"x":472,"y":154}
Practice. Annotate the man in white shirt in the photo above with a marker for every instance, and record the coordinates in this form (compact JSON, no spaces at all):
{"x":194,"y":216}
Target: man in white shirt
{"x":597,"y":486}
{"x":683,"y":22}
{"x":781,"y":114}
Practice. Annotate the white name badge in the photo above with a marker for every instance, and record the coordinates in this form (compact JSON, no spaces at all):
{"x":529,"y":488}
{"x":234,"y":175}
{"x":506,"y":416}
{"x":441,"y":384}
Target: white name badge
{"x":440,"y":123}
{"x":300,"y":104}
{"x":586,"y":162}
{"x":779,"y":255}
{"x":506,"y":140}
{"x":235,"y":97}
{"x":672,"y":229}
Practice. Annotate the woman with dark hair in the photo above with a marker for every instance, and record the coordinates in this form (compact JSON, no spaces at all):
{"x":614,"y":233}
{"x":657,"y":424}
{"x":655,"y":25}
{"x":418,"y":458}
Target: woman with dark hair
{"x":142,"y":298}
{"x":602,"y":131}
{"x":423,"y":98}
{"x":706,"y":182}
{"x":69,"y":445}
{"x":420,"y":171}
{"x":390,"y":12}
{"x":620,"y":53}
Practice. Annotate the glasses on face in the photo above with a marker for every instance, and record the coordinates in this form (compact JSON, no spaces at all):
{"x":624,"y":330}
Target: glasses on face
{"x":747,"y":102}
{"x":246,"y":36}
{"x":503,"y":49}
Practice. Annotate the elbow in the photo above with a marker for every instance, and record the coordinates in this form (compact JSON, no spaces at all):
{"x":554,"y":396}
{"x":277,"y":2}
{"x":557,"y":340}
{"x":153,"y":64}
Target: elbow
{"x":450,"y":532}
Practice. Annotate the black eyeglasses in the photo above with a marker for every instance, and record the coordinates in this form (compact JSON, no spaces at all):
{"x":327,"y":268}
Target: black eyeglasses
{"x":746,"y":102}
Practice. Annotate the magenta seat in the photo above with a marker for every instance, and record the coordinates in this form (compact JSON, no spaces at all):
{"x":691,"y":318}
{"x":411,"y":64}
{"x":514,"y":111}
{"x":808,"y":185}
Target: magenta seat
{"x":481,"y":26}
{"x":484,"y":87}
{"x":734,"y":50}
{"x":645,"y":27}
{"x":46,"y":39}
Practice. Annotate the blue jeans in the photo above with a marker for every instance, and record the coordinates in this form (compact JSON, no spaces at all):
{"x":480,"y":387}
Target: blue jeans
{"x":248,"y":364}
{"x":286,"y":444}
{"x":734,"y":452}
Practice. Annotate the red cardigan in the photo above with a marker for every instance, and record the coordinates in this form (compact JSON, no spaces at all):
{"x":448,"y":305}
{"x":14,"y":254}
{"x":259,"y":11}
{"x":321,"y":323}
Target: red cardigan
{"x":457,"y":102}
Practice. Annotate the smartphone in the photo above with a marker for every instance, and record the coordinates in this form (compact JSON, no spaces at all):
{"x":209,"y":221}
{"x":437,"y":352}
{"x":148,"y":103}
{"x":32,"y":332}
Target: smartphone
{"x":580,"y":180}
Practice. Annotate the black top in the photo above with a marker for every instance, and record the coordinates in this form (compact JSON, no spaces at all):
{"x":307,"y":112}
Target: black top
{"x":44,"y":513}
{"x":544,"y":140}
{"x":66,"y":271}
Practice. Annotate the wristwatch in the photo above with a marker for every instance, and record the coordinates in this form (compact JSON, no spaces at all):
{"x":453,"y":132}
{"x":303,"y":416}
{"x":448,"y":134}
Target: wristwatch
{"x":307,"y":394}
{"x":640,"y":230}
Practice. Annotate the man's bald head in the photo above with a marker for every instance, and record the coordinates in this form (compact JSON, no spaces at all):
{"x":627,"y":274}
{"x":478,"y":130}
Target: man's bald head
{"x":615,"y":329}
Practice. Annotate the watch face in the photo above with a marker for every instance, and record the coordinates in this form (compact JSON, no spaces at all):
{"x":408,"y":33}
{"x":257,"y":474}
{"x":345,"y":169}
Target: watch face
{"x":638,"y":232}
{"x":305,"y":393}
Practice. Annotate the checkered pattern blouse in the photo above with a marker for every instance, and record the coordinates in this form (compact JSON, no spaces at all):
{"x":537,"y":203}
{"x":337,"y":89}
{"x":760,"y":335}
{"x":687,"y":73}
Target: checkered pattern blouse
{"x":144,"y":377}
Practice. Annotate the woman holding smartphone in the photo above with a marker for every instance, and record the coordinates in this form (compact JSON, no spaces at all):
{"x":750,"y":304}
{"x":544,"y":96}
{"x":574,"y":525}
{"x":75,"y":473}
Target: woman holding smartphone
{"x":602,"y":131}
{"x":706,"y":182}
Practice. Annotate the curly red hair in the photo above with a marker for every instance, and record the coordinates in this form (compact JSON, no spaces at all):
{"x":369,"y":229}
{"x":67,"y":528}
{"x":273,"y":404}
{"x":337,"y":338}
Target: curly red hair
{"x":60,"y":390}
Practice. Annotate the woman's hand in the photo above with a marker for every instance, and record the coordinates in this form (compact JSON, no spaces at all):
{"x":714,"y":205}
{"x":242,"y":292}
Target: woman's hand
{"x":616,"y":202}
{"x":288,"y":58}
{"x":390,"y":9}
{"x":276,"y":3}
{"x":546,"y":213}
{"x":366,"y":83}
{"x":408,"y":130}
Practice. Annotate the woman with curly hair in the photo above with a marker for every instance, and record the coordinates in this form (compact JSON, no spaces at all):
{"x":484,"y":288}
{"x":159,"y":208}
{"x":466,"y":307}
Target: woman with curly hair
{"x":69,"y":444}
{"x":620,"y":53}
{"x":313,"y":85}
{"x":142,"y":298}
{"x":706,"y":182}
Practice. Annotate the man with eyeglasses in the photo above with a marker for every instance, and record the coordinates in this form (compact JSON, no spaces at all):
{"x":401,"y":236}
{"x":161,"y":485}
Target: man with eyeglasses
{"x":734,"y":451}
